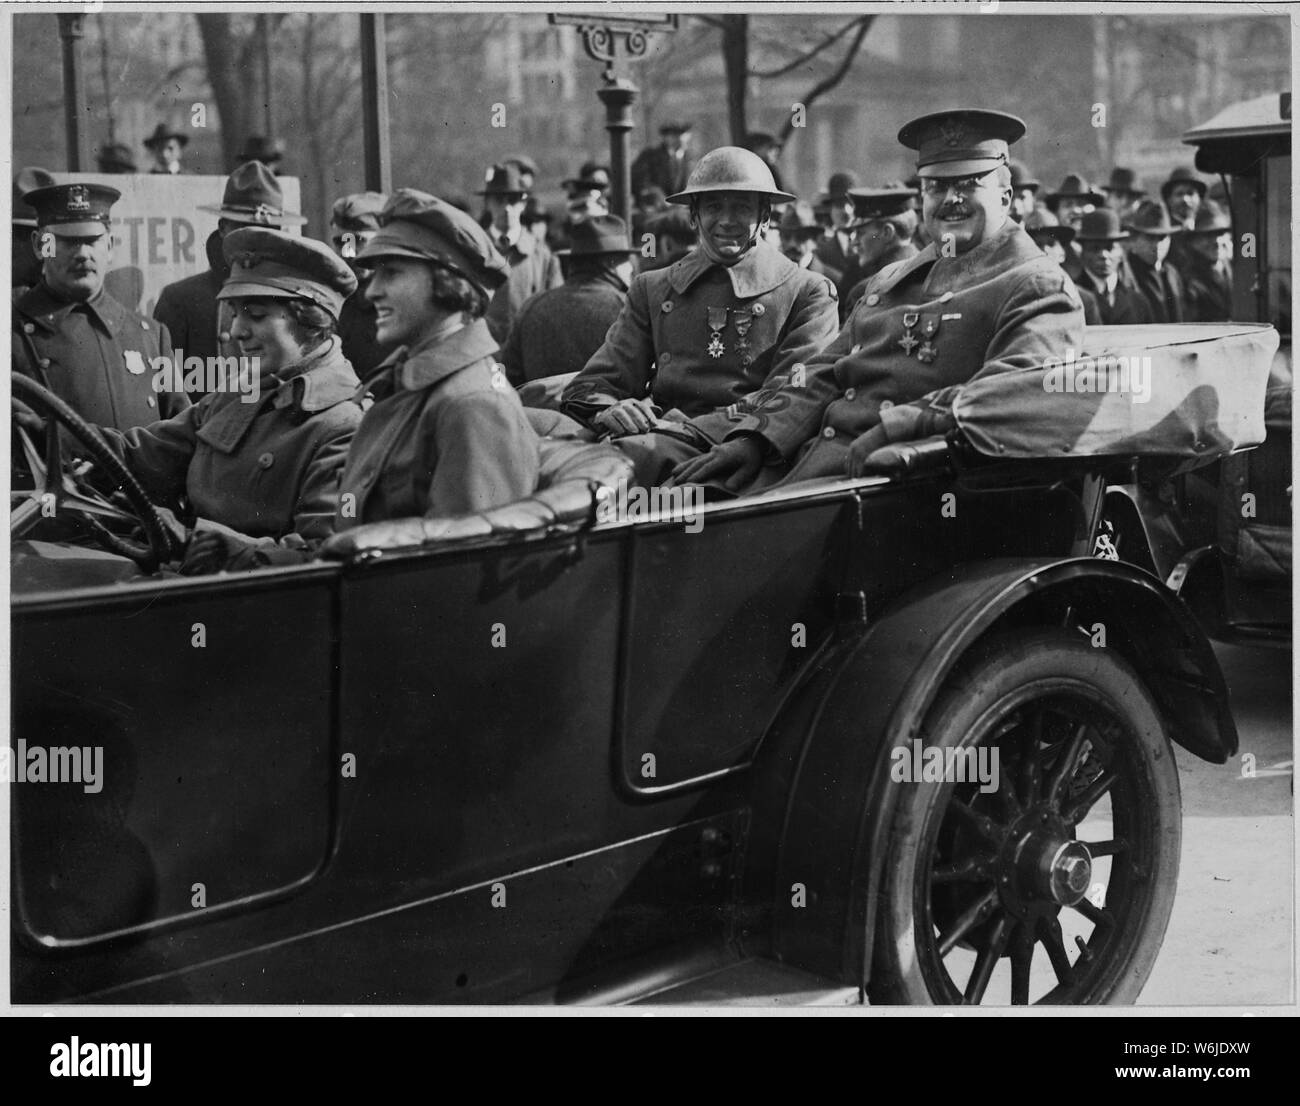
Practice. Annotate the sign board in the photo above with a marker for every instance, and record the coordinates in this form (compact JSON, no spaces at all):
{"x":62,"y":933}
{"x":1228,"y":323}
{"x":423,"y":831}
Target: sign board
{"x":159,"y":233}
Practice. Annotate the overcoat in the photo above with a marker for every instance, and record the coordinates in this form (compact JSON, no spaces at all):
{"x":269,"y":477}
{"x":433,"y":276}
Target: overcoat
{"x":1162,"y":289}
{"x":558,"y":330}
{"x":198,"y":322}
{"x":533,"y":269}
{"x":447,"y":435}
{"x":266,"y":469}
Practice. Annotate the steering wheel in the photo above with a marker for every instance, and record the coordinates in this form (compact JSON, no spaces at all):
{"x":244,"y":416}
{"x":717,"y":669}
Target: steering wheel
{"x":68,"y":492}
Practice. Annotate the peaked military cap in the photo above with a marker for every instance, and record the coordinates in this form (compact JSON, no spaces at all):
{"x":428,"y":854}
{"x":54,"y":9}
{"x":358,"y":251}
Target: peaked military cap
{"x":28,"y":179}
{"x":962,"y":142}
{"x":73,"y":210}
{"x":880,"y":203}
{"x":1150,"y":217}
{"x":272,"y":264}
{"x":415,"y":224}
{"x":252,"y":195}
{"x":358,"y":212}
{"x":1102,"y":225}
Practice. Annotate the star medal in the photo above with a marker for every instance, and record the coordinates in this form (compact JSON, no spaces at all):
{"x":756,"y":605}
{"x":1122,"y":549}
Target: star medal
{"x":908,"y":340}
{"x":717,"y":320}
{"x":929,"y":328}
{"x":744,"y":320}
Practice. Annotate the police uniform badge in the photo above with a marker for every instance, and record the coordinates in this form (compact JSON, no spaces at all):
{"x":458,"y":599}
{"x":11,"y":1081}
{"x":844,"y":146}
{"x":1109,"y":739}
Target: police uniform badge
{"x":134,"y":361}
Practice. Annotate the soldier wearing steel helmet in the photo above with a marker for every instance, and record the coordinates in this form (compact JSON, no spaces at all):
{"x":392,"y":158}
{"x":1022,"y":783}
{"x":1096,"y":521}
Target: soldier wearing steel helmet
{"x":701,"y":340}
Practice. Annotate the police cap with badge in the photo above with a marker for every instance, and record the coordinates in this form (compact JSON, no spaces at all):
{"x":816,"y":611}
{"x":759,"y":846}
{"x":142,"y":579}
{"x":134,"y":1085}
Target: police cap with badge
{"x":416,"y":225}
{"x":269,"y":264}
{"x":73,"y":210}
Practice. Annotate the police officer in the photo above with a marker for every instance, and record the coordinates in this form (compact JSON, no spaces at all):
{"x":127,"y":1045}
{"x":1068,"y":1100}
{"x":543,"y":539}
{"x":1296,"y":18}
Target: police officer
{"x":257,"y":472}
{"x":979,"y":299}
{"x":24,"y":265}
{"x":532,"y":267}
{"x":189,"y":307}
{"x":698,"y":340}
{"x":69,"y":333}
{"x":447,"y":434}
{"x":354,"y":221}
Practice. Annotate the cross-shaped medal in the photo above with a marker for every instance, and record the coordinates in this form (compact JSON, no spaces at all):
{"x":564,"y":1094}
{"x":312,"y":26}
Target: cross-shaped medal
{"x":908,"y":342}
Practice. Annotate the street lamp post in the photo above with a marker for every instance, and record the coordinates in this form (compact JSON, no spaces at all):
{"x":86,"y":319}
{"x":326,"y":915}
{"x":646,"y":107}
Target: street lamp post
{"x":76,"y":113}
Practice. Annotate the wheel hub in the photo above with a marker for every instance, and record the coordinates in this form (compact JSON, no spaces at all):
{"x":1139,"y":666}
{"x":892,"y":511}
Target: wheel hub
{"x":1041,"y":867}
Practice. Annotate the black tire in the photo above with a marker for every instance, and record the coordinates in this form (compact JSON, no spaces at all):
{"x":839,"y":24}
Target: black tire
{"x":973,"y":879}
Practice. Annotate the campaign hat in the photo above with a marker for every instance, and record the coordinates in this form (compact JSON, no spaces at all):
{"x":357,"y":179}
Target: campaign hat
{"x":275,"y":265}
{"x":252,"y":195}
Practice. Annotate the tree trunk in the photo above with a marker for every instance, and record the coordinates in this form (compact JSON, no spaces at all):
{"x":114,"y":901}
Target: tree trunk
{"x":735,"y":56}
{"x":223,"y":55}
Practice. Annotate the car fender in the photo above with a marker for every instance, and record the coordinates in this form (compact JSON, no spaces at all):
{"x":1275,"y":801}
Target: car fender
{"x":876,"y":693}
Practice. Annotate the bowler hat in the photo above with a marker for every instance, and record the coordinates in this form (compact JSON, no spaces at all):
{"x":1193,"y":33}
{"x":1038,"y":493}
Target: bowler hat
{"x":597,"y":235}
{"x":1102,"y":225}
{"x":115,"y":158}
{"x":418,"y":225}
{"x":837,"y":188}
{"x":274,"y":265}
{"x":1076,"y":187}
{"x":1150,"y":217}
{"x":260,"y":148}
{"x":1043,"y":224}
{"x":1182,"y":175}
{"x":253,"y":196}
{"x":961,"y":142}
{"x":161,"y":133}
{"x":503,"y":180}
{"x":1210,"y":219}
{"x":358,"y":212}
{"x":1123,"y":181}
{"x":28,"y":179}
{"x":73,"y":210}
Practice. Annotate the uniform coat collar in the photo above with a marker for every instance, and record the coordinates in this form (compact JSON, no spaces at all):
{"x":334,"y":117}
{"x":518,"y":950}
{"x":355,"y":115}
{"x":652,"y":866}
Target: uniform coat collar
{"x":761,"y":269}
{"x":48,"y":311}
{"x":1005,"y":249}
{"x":314,"y":384}
{"x":436,"y":359}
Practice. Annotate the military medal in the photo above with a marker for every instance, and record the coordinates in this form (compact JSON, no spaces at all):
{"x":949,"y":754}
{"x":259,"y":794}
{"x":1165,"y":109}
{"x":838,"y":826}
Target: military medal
{"x":744,"y":320}
{"x":908,"y":341}
{"x":929,"y":328}
{"x":717,"y":320}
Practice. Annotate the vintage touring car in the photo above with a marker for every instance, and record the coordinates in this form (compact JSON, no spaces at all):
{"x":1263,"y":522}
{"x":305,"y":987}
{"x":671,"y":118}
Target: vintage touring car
{"x":546,"y":754}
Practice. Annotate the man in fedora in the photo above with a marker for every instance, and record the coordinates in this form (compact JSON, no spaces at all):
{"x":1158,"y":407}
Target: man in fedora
{"x":800,"y":233}
{"x":557,"y":331}
{"x":1055,"y":241}
{"x":586,"y":193}
{"x":1207,"y":268}
{"x":668,"y":164}
{"x":533,"y":268}
{"x":980,"y":299}
{"x":1122,"y":191}
{"x":69,"y":333}
{"x":1070,"y":203}
{"x":1159,"y":282}
{"x":883,"y":229}
{"x":1183,"y":193}
{"x":115,"y":158}
{"x":165,"y":146}
{"x":1024,"y":191}
{"x":1100,"y":236}
{"x":189,"y":308}
{"x":836,"y":249}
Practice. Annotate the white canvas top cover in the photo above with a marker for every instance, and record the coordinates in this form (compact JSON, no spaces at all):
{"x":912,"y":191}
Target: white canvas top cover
{"x":1177,"y":389}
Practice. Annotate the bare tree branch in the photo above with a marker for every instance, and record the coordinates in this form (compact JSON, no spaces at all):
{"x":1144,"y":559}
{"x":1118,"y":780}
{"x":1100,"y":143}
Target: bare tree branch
{"x":827,"y":83}
{"x":803,"y":59}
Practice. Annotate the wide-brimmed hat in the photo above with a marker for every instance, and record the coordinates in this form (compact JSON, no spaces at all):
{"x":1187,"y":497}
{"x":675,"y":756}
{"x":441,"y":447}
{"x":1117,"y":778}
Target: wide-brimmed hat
{"x":1043,"y":224}
{"x":1210,"y":219}
{"x":252,"y":196}
{"x":1102,"y":225}
{"x":502,"y":180}
{"x":73,"y":210}
{"x":270,"y":264}
{"x":28,"y":179}
{"x":1182,"y":175}
{"x":1077,"y":188}
{"x":1123,"y":181}
{"x":596,"y":236}
{"x":961,"y":142}
{"x":1150,"y":217}
{"x":161,"y":133}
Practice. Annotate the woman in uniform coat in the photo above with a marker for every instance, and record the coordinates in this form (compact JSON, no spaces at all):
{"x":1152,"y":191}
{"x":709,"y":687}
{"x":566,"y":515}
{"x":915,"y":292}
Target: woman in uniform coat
{"x":258,"y":459}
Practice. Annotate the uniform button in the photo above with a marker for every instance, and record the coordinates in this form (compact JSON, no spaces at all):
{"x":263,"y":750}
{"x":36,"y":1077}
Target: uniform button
{"x":855,"y":350}
{"x":829,"y":432}
{"x":664,"y":358}
{"x":872,"y":300}
{"x":224,"y":336}
{"x":144,"y":323}
{"x":28,"y":328}
{"x":851,"y":394}
{"x":266,"y":460}
{"x":666,"y":306}
{"x":45,"y":362}
{"x":758,"y":309}
{"x":886,"y":404}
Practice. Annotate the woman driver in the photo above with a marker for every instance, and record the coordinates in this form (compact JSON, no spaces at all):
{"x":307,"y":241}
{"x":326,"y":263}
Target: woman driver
{"x":261,"y":471}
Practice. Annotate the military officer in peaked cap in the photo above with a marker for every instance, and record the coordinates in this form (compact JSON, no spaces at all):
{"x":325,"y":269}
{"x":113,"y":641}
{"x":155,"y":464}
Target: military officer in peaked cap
{"x":699,"y":341}
{"x":447,"y":434}
{"x":532,"y":266}
{"x":979,"y":299}
{"x":69,"y":333}
{"x":883,"y":227}
{"x":354,"y":221}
